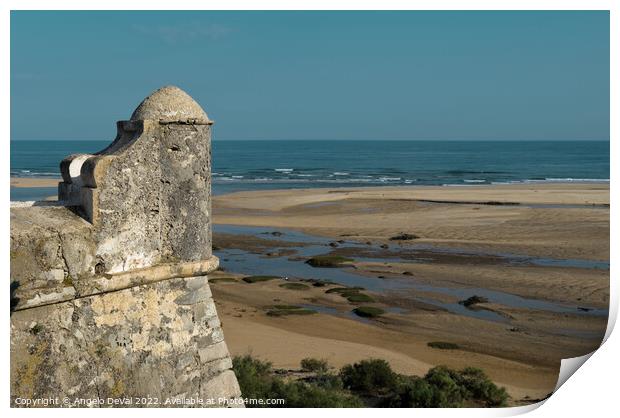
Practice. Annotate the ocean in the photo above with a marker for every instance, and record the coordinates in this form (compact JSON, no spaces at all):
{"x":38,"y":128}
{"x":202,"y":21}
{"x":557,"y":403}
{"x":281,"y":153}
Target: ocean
{"x":253,"y":165}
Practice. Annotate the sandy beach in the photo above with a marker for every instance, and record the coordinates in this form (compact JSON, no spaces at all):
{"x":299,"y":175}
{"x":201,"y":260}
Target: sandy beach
{"x":465,"y":237}
{"x":34,"y":182}
{"x":558,"y":220}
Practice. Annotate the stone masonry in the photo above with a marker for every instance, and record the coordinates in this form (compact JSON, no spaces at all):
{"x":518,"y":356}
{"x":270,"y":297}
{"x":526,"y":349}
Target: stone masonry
{"x":110,"y":297}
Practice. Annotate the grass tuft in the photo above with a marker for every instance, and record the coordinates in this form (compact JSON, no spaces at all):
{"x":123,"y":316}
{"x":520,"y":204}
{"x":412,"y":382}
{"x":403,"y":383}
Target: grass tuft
{"x":256,"y":279}
{"x":404,"y":237}
{"x":359,"y":298}
{"x":287,"y":311}
{"x":344,"y":291}
{"x":286,"y":307}
{"x":352,"y":294}
{"x":442,"y":345}
{"x":327,"y":261}
{"x":368,"y":311}
{"x":295,"y":286}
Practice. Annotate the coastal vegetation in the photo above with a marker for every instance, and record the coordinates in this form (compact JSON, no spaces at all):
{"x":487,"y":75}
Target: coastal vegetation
{"x":258,"y":380}
{"x":284,"y":310}
{"x":295,"y":286}
{"x":344,"y":291}
{"x":256,"y":279}
{"x":368,"y":311}
{"x":403,"y":237}
{"x":328,"y":261}
{"x":352,"y":294}
{"x":359,"y":298}
{"x":368,"y":383}
{"x":319,"y":283}
{"x":314,"y":365}
{"x":442,"y":345}
{"x":370,"y":377}
{"x":473,"y":300}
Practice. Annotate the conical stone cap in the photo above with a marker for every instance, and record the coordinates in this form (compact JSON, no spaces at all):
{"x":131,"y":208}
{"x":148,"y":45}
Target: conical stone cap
{"x":170,"y":104}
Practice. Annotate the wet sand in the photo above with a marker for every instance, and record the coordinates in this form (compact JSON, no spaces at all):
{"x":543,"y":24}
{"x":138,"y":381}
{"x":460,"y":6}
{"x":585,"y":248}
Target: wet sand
{"x":472,"y":224}
{"x":579,"y":230}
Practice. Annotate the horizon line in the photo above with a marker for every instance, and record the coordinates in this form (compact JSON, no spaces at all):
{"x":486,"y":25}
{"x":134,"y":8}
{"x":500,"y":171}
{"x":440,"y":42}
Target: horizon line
{"x":349,"y":139}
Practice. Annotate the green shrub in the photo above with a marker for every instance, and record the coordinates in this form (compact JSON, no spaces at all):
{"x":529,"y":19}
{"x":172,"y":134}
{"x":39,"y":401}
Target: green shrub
{"x":371,"y":380}
{"x":480,"y":388}
{"x":442,"y":345}
{"x":415,"y":393}
{"x":254,"y":376}
{"x":368,"y":311}
{"x":295,"y":286}
{"x":447,"y":392}
{"x":256,"y":381}
{"x":255,"y":279}
{"x":327,"y":261}
{"x":447,"y":388}
{"x":369,"y":377}
{"x":327,"y":381}
{"x":303,"y":395}
{"x":314,"y":365}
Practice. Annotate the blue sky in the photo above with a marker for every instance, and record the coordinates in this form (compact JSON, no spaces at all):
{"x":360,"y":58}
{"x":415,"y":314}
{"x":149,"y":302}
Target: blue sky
{"x":317,"y":75}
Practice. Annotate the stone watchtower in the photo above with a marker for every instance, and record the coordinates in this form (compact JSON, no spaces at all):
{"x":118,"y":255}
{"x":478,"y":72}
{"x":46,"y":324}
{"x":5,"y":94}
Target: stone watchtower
{"x":109,"y":289}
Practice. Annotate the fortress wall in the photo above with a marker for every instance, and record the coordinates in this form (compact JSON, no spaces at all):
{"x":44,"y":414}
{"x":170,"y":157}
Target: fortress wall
{"x":109,"y":288}
{"x":161,"y":340}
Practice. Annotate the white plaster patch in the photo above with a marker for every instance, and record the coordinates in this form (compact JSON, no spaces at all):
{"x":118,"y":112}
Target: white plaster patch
{"x":57,"y":275}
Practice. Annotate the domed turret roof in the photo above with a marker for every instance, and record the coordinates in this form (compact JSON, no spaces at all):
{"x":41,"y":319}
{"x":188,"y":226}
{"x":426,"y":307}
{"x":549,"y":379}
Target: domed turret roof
{"x":169,"y":103}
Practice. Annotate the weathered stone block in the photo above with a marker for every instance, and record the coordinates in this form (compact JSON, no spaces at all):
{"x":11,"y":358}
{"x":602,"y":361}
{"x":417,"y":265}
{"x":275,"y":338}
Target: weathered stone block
{"x":109,"y":294}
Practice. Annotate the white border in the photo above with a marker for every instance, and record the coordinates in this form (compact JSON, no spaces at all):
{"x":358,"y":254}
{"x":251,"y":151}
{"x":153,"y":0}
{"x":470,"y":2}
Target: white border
{"x":591,"y":392}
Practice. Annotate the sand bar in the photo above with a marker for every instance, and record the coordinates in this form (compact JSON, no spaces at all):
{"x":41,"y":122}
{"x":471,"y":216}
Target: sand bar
{"x":34,"y":182}
{"x":554,"y":220}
